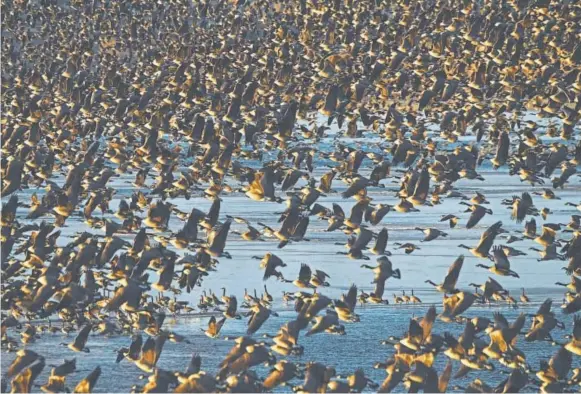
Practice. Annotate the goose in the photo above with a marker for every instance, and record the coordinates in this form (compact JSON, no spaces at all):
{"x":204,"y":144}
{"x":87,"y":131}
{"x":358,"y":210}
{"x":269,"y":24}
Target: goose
{"x":258,"y":315}
{"x":251,"y":355}
{"x":357,"y":185}
{"x":304,"y":279}
{"x":478,"y":199}
{"x":449,"y":283}
{"x":458,"y":349}
{"x":421,"y":189}
{"x":415,"y":299}
{"x":327,"y":323}
{"x":287,"y":297}
{"x":375,"y":216}
{"x":157,"y":216}
{"x":521,"y":206}
{"x":381,"y":243}
{"x":503,"y":335}
{"x":364,"y":236}
{"x":345,"y":307}
{"x":476,"y":386}
{"x":326,"y":181}
{"x":456,"y":304}
{"x":150,"y":353}
{"x":290,"y":222}
{"x":317,"y":376}
{"x":419,"y":333}
{"x":12,"y":178}
{"x":337,"y":219}
{"x":431,"y":233}
{"x":383,"y":270}
{"x":557,"y":369}
{"x":87,"y":384}
{"x":530,"y":230}
{"x":501,"y":264}
{"x":398,"y":299}
{"x":405,"y":206}
{"x":22,"y":383}
{"x":78,"y":345}
{"x":24,"y":357}
{"x":547,"y":194}
{"x":396,"y":372}
{"x":282,"y":372}
{"x":545,"y":212}
{"x":214,"y":327}
{"x":478,"y":212}
{"x":549,"y":253}
{"x":578,"y":206}
{"x":486,"y":240}
{"x":491,"y":289}
{"x":574,"y":224}
{"x":409,"y":247}
{"x":573,"y":305}
{"x":55,"y":384}
{"x":357,"y":214}
{"x":427,"y":378}
{"x":133,"y":352}
{"x":231,"y":307}
{"x":516,"y":381}
{"x":547,"y":237}
{"x":451,"y":219}
{"x":217,"y":240}
{"x":196,"y":382}
{"x":574,"y":345}
{"x":270,"y":262}
{"x":510,"y":251}
{"x":544,"y":322}
{"x":502,"y":150}
{"x":318,"y":279}
{"x":262,"y":187}
{"x":524,"y":298}
{"x":267,"y":297}
{"x":574,"y":285}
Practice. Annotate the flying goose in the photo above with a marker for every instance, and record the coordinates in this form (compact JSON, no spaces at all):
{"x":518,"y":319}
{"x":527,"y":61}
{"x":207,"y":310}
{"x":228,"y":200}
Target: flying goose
{"x":449,"y":283}
{"x":486,"y":240}
{"x":501,"y":264}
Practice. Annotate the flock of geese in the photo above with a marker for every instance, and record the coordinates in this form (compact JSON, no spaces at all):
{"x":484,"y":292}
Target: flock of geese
{"x":387,"y":104}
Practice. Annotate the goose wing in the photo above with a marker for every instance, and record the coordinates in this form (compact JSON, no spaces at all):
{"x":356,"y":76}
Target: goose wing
{"x":232,"y":306}
{"x":81,"y":338}
{"x":305,"y":273}
{"x":428,"y":322}
{"x":148,"y":353}
{"x":86,"y":385}
{"x":545,"y":307}
{"x":499,"y":320}
{"x":577,"y":328}
{"x":257,"y":319}
{"x":135,"y":347}
{"x":561,"y":362}
{"x":477,"y":214}
{"x":453,"y":273}
{"x":422,"y":185}
{"x":212,"y":326}
{"x":445,"y":377}
{"x":500,"y":259}
{"x":338,"y":211}
{"x":351,"y":297}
